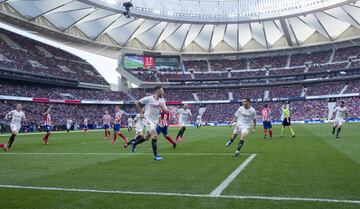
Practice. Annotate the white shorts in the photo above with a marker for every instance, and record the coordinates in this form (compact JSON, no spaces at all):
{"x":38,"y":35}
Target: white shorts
{"x":68,"y":127}
{"x":15,"y":127}
{"x":130,"y":126}
{"x":150,"y":126}
{"x":241,"y":129}
{"x":139,"y":130}
{"x":182,"y":123}
{"x":338,"y":122}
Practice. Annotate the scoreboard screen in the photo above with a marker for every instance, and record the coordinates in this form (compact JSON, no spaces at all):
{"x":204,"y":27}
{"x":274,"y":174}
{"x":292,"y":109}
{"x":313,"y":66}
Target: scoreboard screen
{"x":132,"y":61}
{"x":149,"y":62}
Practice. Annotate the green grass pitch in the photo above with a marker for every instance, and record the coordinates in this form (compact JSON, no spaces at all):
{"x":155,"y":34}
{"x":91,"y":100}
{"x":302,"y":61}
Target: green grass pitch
{"x":313,"y":165}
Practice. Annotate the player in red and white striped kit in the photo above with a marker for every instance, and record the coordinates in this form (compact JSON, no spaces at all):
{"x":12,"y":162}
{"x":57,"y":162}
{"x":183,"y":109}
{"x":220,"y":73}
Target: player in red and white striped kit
{"x":163,"y":125}
{"x":117,"y":120}
{"x":106,"y":124}
{"x":47,"y":124}
{"x":266,"y":116}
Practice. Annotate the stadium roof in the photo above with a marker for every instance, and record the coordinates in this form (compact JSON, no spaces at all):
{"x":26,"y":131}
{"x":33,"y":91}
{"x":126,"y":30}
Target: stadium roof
{"x":194,"y":26}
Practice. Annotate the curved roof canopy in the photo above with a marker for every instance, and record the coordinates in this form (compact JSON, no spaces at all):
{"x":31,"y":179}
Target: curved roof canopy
{"x":195,"y":26}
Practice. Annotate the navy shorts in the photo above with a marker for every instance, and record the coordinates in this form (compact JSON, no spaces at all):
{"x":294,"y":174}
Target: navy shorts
{"x":163,"y":130}
{"x":106,"y":126}
{"x":47,"y":128}
{"x":267,"y":124}
{"x":117,"y":127}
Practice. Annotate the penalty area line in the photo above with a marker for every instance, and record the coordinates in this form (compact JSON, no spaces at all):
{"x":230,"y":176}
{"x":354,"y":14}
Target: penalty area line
{"x":246,"y":197}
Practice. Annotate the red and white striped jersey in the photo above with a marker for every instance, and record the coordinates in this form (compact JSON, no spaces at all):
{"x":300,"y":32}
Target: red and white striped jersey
{"x":266,"y":114}
{"x":106,"y":119}
{"x":118,"y":116}
{"x":47,"y":119}
{"x":164,"y":119}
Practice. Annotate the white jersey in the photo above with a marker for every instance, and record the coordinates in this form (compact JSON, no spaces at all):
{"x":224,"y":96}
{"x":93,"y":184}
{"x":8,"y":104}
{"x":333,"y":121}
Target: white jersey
{"x":152,"y":108}
{"x":340,"y":113}
{"x":130,"y":121}
{"x":139,"y":122}
{"x":198,"y":119}
{"x":245,"y":116}
{"x":16,"y":117}
{"x":69,"y":122}
{"x":184,"y":115}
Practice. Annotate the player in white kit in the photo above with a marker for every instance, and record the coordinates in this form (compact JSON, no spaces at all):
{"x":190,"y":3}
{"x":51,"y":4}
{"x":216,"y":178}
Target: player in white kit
{"x":16,"y":116}
{"x":341,"y":113}
{"x":69,"y":122}
{"x":86,"y":124}
{"x":198,"y":121}
{"x":183,"y":115}
{"x":130,"y":123}
{"x":153,"y":105}
{"x":139,"y":124}
{"x":244,"y":117}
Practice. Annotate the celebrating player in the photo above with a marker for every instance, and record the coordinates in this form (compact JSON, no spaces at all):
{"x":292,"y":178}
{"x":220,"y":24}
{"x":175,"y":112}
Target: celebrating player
{"x":117,"y":121}
{"x":106,"y":124}
{"x":153,"y":105}
{"x":86,"y":124}
{"x":183,"y":116}
{"x":47,"y":124}
{"x":341,"y":115}
{"x":286,"y":121}
{"x":17,"y":116}
{"x":244,"y":116}
{"x":130,"y":123}
{"x":266,"y":115}
{"x":162,"y":127}
{"x":68,"y":124}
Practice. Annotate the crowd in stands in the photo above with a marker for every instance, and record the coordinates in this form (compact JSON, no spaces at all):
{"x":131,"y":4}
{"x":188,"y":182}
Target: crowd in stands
{"x":312,"y":57}
{"x":324,"y":89}
{"x":196,"y":65}
{"x":35,"y":57}
{"x":223,"y":65}
{"x":52,"y":92}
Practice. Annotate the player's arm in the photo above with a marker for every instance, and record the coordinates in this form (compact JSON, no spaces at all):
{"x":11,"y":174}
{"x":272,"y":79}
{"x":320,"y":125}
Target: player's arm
{"x":164,"y":108}
{"x":233,"y":121}
{"x":8,"y":114}
{"x":139,"y":108}
{"x":254,"y":125}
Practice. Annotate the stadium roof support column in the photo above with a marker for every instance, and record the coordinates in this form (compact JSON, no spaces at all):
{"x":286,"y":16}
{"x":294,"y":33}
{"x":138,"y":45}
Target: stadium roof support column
{"x":286,"y":31}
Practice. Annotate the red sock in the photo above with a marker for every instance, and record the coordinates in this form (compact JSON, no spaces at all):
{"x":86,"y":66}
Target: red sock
{"x":170,"y":140}
{"x":46,"y":137}
{"x":265,"y":131}
{"x":1,"y":145}
{"x":122,"y":136}
{"x":115,"y":137}
{"x":270,"y":132}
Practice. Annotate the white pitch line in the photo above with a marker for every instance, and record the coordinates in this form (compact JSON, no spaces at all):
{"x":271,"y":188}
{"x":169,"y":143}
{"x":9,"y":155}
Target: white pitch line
{"x":248,"y":197}
{"x":231,"y":177}
{"x":126,"y":154}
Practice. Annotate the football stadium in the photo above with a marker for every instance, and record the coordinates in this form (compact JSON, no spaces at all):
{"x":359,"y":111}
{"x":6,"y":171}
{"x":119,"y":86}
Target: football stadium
{"x":179,"y":104}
